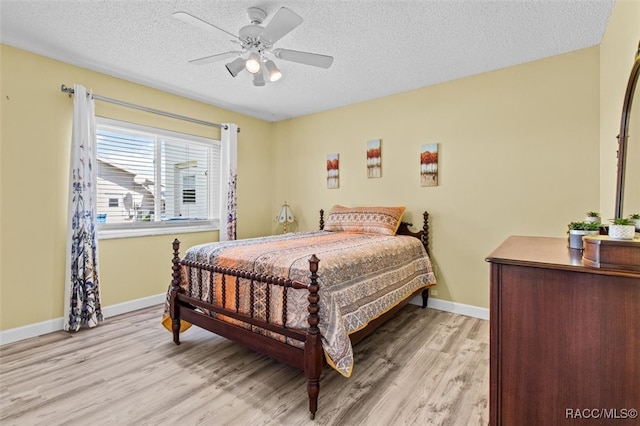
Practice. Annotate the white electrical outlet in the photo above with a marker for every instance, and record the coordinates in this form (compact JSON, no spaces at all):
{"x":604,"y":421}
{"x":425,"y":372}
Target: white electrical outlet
{"x":433,"y":292}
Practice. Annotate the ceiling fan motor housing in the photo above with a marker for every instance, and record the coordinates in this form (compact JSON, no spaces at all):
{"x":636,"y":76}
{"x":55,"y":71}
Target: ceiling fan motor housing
{"x":250,"y":33}
{"x":256,"y":15}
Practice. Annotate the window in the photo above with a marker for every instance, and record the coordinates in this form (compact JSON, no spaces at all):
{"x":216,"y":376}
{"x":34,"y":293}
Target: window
{"x":151,"y":181}
{"x":189,"y":189}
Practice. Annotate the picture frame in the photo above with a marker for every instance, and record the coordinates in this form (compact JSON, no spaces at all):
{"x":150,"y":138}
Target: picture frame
{"x":374,"y":158}
{"x":333,"y":171}
{"x":429,"y":165}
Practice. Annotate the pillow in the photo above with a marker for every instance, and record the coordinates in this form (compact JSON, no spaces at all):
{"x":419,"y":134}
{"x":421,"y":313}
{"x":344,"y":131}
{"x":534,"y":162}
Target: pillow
{"x":365,"y":220}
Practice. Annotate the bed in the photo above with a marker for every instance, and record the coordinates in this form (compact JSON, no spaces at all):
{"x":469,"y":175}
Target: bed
{"x":304,"y":298}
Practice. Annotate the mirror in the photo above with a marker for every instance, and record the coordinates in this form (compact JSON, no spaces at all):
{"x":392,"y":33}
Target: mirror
{"x":628,"y":178}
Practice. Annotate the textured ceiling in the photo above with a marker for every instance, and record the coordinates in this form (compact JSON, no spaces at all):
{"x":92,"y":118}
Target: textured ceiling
{"x":380,"y":47}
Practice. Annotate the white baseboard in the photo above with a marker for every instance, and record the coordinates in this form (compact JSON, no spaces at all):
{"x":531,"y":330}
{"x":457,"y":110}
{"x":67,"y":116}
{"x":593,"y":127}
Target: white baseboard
{"x":453,"y":307}
{"x":133,"y":305}
{"x":33,"y":330}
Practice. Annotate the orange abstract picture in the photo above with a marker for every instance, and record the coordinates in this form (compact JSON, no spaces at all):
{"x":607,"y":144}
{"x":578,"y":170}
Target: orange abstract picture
{"x":374,"y":159}
{"x":333,"y":171}
{"x":429,"y":165}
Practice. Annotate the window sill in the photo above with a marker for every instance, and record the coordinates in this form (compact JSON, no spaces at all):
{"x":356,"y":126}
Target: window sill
{"x":164,"y":229}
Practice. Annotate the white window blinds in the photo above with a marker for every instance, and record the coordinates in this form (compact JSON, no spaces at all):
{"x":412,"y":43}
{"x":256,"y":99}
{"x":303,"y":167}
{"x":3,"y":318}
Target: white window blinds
{"x":152,"y":177}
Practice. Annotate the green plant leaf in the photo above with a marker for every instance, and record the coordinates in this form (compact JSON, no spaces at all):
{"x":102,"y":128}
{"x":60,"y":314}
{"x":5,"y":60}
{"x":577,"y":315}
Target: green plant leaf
{"x":622,"y":221}
{"x":584,"y":226}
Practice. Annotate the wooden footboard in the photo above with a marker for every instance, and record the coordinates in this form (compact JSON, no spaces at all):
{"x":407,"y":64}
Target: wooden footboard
{"x":309,"y":358}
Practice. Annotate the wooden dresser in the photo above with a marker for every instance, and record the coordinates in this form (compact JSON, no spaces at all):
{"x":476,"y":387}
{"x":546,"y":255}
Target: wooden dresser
{"x":565,"y":338}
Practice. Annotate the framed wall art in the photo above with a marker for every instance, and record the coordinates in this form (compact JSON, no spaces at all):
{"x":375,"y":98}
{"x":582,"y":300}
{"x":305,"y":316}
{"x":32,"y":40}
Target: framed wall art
{"x":429,"y":165}
{"x":333,"y":171}
{"x":374,"y":158}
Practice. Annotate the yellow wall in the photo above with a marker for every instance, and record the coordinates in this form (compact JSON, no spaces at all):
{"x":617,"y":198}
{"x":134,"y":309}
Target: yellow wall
{"x":617,"y":51}
{"x":518,"y":155}
{"x":35,"y":137}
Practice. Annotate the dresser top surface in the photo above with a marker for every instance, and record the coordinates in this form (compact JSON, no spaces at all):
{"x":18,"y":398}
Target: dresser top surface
{"x":547,"y":252}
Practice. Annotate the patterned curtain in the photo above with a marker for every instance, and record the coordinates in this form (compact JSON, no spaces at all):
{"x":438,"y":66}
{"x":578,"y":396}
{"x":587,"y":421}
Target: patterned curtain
{"x":228,"y":181}
{"x":82,"y":295}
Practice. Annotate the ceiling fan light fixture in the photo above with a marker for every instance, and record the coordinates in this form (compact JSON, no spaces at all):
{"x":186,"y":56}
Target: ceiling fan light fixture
{"x":272,"y":70}
{"x":253,"y":63}
{"x":234,"y":67}
{"x":258,"y":79}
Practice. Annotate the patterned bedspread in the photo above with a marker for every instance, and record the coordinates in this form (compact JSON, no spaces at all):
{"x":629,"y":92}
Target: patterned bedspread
{"x":361,"y":276}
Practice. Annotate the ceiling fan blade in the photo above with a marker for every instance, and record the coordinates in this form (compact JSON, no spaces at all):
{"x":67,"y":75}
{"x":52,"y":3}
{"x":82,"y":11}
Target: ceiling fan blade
{"x":215,"y":58}
{"x":197,"y":22}
{"x":314,"y":59}
{"x":280,"y":25}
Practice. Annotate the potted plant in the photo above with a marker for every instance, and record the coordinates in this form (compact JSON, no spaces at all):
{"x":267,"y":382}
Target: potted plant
{"x":636,"y":218}
{"x":622,"y":229}
{"x":577,"y":230}
{"x":593,"y":217}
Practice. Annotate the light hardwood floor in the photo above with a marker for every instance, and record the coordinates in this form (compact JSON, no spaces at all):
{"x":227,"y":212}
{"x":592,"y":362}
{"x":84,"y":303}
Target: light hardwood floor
{"x":424,"y":367}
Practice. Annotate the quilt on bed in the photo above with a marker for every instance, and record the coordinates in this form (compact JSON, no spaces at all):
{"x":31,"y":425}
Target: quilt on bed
{"x":361,"y":276}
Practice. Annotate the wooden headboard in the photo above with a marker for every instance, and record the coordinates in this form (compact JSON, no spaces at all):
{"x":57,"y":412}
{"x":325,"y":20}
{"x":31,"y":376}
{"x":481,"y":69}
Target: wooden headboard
{"x":403,"y":229}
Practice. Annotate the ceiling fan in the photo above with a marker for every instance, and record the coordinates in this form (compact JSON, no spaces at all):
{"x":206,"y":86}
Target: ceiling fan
{"x":257,"y":42}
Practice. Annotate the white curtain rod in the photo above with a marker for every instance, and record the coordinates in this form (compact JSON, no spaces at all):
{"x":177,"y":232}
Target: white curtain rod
{"x":69,"y":90}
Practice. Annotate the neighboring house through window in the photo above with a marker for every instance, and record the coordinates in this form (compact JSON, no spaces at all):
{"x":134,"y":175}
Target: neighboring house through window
{"x":189,"y":189}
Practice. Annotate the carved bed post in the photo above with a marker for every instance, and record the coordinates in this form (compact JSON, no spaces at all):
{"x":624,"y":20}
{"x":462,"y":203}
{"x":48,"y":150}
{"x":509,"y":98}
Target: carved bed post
{"x":425,"y":231}
{"x":321,"y":219}
{"x":425,"y":297}
{"x":174,"y":311}
{"x":425,"y":242}
{"x":313,"y":346}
